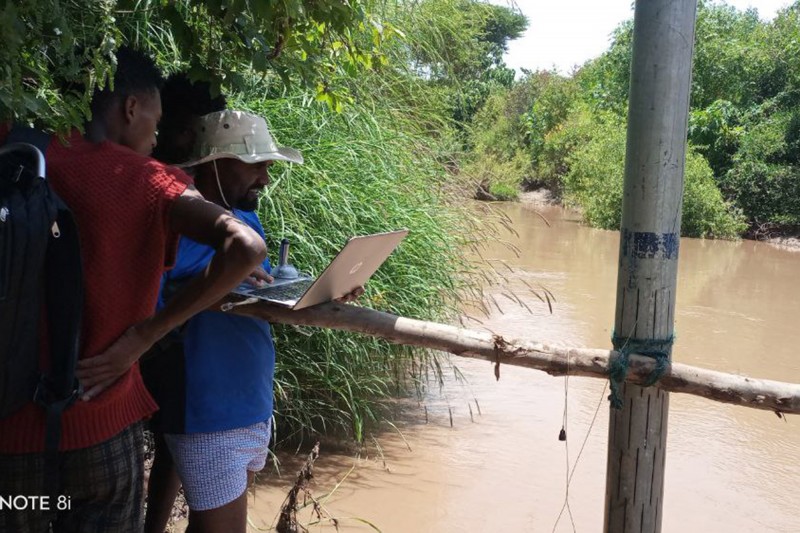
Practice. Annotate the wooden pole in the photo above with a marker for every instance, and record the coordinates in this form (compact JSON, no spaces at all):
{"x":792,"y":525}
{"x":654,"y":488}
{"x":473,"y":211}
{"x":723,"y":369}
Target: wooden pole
{"x":781,"y":398}
{"x":663,"y":41}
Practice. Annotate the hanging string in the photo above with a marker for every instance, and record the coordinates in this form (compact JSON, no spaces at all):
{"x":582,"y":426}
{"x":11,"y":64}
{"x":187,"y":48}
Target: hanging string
{"x":562,"y":436}
{"x":578,"y":458}
{"x":571,"y":473}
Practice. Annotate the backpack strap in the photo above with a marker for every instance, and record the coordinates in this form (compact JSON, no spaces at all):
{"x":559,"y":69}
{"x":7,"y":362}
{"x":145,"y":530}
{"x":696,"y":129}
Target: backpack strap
{"x":58,"y":388}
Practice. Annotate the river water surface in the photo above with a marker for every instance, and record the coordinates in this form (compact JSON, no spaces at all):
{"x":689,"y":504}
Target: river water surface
{"x":502,"y":468}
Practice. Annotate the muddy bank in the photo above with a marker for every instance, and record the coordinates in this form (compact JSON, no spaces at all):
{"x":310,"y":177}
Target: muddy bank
{"x":539,"y":197}
{"x":545,"y":198}
{"x":791,"y":243}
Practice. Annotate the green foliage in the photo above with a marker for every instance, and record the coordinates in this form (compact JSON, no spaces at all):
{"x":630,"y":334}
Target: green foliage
{"x":56,"y":52}
{"x":723,"y":58}
{"x":594,"y":179}
{"x":500,"y":176}
{"x":458,"y":45}
{"x":459,"y":39}
{"x":504,"y":191}
{"x":770,"y":61}
{"x":499,"y":158}
{"x":715,"y":132}
{"x":744,"y":121}
{"x":595,"y":183}
{"x":496,"y":129}
{"x":726,"y":59}
{"x":39,"y":56}
{"x":553,"y":163}
{"x":552,"y":102}
{"x":705,"y":212}
{"x":508,"y":133}
{"x":765,"y":177}
{"x":604,"y":81}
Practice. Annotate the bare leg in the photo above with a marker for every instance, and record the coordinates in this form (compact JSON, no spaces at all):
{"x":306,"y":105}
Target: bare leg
{"x":230,"y":518}
{"x":162,"y":489}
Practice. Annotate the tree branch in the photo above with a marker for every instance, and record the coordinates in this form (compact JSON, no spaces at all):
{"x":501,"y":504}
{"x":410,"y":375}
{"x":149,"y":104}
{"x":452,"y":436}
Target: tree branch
{"x":763,"y":394}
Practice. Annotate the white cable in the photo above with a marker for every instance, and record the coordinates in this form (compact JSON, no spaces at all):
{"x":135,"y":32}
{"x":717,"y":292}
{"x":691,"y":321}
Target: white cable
{"x":219,"y":186}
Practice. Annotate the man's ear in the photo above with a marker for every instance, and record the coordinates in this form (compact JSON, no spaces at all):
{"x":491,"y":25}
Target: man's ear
{"x":130,"y":107}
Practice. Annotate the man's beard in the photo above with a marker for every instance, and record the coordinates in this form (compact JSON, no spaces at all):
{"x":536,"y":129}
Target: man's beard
{"x":250,"y":200}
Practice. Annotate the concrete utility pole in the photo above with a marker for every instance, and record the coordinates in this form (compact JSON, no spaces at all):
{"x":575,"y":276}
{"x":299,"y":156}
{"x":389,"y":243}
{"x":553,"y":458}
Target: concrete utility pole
{"x":661,"y":69}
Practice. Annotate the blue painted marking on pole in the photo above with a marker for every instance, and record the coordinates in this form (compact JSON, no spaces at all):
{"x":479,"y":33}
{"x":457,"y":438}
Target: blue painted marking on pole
{"x":671,"y":242}
{"x":646,"y":244}
{"x":650,"y":245}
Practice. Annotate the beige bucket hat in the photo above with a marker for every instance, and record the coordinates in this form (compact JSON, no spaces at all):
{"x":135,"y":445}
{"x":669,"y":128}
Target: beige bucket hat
{"x":237,"y":135}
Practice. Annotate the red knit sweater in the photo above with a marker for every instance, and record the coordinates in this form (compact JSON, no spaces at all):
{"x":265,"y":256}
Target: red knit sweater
{"x":121,"y":203}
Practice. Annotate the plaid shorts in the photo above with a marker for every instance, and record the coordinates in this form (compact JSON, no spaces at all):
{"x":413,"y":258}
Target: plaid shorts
{"x":103,"y":485}
{"x":213,"y":466}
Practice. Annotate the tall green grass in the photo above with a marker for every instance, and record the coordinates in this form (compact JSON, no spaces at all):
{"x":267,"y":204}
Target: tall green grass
{"x":365,"y":172}
{"x":385,"y":162}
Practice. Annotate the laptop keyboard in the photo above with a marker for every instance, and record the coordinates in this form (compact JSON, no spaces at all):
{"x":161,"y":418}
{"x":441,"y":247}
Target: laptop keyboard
{"x":291,"y":291}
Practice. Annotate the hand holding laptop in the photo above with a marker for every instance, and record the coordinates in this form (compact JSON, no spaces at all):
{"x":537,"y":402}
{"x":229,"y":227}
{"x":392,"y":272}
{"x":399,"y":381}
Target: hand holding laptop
{"x":342,"y":280}
{"x":352,"y":296}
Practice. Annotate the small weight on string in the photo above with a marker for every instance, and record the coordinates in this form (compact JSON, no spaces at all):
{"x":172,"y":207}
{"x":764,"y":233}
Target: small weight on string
{"x":562,"y":435}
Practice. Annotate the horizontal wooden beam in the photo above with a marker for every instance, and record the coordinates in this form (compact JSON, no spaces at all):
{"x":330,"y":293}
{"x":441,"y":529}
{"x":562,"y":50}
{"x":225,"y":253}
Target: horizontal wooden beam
{"x":733,"y":389}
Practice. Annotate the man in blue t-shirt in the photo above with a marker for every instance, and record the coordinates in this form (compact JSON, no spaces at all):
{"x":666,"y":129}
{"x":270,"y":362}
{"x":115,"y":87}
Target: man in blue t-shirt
{"x":216,"y":396}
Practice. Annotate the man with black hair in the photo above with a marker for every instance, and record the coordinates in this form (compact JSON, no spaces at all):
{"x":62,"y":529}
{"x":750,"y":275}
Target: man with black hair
{"x":129,"y":114}
{"x":183,"y":102}
{"x":129,"y":209}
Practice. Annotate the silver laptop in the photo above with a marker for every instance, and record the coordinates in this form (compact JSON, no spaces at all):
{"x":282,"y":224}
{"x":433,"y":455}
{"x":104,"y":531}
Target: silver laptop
{"x":351,"y":268}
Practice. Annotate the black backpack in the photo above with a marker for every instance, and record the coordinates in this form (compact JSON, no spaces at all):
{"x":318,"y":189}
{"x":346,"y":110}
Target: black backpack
{"x":40,"y":269}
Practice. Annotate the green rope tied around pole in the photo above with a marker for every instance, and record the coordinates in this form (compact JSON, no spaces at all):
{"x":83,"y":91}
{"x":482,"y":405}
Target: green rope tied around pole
{"x":658,"y":349}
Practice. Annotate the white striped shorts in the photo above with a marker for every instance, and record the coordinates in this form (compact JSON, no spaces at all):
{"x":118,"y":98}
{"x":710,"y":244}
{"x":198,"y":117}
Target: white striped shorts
{"x":213,"y":466}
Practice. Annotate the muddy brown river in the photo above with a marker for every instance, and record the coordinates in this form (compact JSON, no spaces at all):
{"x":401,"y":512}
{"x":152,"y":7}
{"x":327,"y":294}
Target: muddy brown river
{"x":502,"y":468}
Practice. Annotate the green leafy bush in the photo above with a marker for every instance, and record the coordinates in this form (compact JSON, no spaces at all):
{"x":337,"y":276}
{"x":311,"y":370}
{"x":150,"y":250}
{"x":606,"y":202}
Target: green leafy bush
{"x":550,"y":106}
{"x":594,"y":180}
{"x":595,"y":183}
{"x":765,"y":179}
{"x":705,"y":212}
{"x":498,"y":159}
{"x":508,"y":134}
{"x":504,"y":191}
{"x":715,"y":133}
{"x":559,"y":144}
{"x":54,"y":53}
{"x":458,"y":46}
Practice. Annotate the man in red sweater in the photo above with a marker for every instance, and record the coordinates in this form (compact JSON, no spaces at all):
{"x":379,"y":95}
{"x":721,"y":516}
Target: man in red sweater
{"x":130,"y":210}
